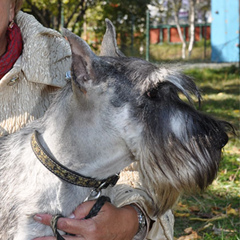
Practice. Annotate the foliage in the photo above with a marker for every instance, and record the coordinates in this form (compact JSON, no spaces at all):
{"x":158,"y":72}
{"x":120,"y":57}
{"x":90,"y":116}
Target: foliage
{"x":165,"y":11}
{"x":50,"y":13}
{"x":214,"y":214}
{"x":128,"y":18}
{"x":86,"y":17}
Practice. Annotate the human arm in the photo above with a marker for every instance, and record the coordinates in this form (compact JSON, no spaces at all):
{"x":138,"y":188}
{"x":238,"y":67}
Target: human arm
{"x":113,"y":219}
{"x":130,"y":190}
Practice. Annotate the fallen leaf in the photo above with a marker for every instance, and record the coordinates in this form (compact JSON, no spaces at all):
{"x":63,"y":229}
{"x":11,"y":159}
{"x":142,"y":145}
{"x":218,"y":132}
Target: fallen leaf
{"x":181,"y":207}
{"x":176,"y":214}
{"x":188,"y":230}
{"x":219,"y":217}
{"x":231,"y":211}
{"x":194,"y":208}
{"x":199,"y":219}
{"x":214,"y":210}
{"x":205,"y":227}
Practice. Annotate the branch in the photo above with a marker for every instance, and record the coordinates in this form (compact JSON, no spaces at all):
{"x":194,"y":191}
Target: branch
{"x":36,"y":12}
{"x":59,"y":13}
{"x":73,"y":12}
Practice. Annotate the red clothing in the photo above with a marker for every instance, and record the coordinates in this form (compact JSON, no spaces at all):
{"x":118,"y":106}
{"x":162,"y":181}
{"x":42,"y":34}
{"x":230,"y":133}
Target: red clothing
{"x":14,"y":50}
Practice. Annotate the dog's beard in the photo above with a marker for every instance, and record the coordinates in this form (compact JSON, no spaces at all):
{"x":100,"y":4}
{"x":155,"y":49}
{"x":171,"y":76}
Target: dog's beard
{"x":180,"y":157}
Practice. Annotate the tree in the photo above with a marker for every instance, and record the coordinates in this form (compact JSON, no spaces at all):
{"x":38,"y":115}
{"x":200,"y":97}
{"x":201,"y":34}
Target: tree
{"x":89,"y":15}
{"x":176,"y":4}
{"x":129,"y":18}
{"x":165,"y":9}
{"x":172,"y":7}
{"x":192,"y":4}
{"x":50,"y":13}
{"x":196,"y":6}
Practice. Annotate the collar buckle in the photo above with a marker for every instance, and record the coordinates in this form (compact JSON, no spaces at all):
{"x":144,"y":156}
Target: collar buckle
{"x":96,"y":192}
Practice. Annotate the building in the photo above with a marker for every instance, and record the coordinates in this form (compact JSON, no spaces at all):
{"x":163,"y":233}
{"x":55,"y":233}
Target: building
{"x":169,"y":33}
{"x":225,"y":31}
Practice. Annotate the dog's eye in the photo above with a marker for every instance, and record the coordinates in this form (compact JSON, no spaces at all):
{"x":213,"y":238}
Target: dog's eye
{"x":153,"y":93}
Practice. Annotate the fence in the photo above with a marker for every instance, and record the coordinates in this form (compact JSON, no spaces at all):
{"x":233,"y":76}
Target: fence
{"x":169,"y":33}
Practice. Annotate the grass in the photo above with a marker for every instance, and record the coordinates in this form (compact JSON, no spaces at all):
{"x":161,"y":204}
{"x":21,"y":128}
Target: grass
{"x":173,"y":52}
{"x":215,"y":213}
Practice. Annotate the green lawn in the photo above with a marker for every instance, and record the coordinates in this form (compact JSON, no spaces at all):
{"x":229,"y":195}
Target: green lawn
{"x":173,"y":52}
{"x":215,"y":213}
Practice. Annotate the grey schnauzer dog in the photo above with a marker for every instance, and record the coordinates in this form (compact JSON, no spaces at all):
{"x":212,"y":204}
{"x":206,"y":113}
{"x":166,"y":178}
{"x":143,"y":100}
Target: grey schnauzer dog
{"x":115,"y":110}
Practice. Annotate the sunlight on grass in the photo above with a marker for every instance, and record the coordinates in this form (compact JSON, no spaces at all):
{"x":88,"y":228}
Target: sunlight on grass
{"x":215,"y":213}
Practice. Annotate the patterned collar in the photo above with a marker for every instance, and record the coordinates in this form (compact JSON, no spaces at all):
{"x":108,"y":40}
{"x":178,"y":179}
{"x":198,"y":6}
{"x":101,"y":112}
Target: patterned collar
{"x":66,"y":174}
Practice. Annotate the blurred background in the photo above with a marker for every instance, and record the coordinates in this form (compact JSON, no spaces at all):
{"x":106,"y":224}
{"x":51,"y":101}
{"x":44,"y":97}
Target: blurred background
{"x":160,"y":30}
{"x":202,"y":38}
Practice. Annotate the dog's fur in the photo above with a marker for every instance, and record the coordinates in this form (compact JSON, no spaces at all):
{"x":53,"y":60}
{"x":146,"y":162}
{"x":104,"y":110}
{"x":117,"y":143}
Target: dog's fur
{"x":114,"y":111}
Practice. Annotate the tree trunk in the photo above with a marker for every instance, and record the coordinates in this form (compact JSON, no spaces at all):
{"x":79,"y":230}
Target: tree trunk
{"x":41,"y":16}
{"x":181,"y":38}
{"x":192,"y":26}
{"x":176,"y":8}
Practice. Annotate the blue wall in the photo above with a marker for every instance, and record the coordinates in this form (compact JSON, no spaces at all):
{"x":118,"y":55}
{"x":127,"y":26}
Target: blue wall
{"x":225,"y":31}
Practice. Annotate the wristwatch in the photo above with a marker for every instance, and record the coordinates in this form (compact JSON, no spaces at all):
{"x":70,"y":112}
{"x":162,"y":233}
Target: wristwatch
{"x":141,"y":218}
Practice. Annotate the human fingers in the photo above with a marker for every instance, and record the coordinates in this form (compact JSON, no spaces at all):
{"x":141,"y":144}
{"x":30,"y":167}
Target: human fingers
{"x":83,"y":209}
{"x":79,"y":213}
{"x":110,"y":223}
{"x":69,"y":225}
{"x":66,"y":237}
{"x":43,"y":218}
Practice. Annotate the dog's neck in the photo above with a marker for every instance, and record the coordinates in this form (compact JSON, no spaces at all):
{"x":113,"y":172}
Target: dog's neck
{"x":66,"y":174}
{"x":85,"y":143}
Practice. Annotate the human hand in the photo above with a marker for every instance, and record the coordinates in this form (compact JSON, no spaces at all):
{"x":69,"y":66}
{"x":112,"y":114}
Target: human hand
{"x":110,"y":223}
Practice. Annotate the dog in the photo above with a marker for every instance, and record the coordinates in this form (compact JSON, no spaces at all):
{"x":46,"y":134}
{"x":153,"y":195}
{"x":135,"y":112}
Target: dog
{"x":116,"y":110}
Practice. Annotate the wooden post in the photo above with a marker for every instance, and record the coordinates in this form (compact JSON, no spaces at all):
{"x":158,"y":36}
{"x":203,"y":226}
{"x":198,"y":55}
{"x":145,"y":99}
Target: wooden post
{"x":147,"y":35}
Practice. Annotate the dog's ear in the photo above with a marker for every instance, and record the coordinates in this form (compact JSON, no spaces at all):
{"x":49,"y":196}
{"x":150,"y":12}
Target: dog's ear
{"x":109,"y":44}
{"x":82,"y":58}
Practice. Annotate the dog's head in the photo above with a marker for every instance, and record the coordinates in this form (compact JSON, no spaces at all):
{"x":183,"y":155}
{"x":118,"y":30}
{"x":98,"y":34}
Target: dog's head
{"x":178,"y":148}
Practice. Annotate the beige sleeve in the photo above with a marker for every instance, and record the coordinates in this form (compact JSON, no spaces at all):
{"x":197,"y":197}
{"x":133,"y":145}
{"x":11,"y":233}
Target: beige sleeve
{"x":128,"y":191}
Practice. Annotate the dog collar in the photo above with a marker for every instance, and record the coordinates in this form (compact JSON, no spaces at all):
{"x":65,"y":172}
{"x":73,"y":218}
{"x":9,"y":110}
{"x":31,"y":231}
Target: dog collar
{"x":66,"y":174}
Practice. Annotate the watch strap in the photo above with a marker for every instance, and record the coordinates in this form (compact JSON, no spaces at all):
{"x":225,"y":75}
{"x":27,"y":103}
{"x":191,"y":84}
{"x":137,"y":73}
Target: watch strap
{"x":141,"y":217}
